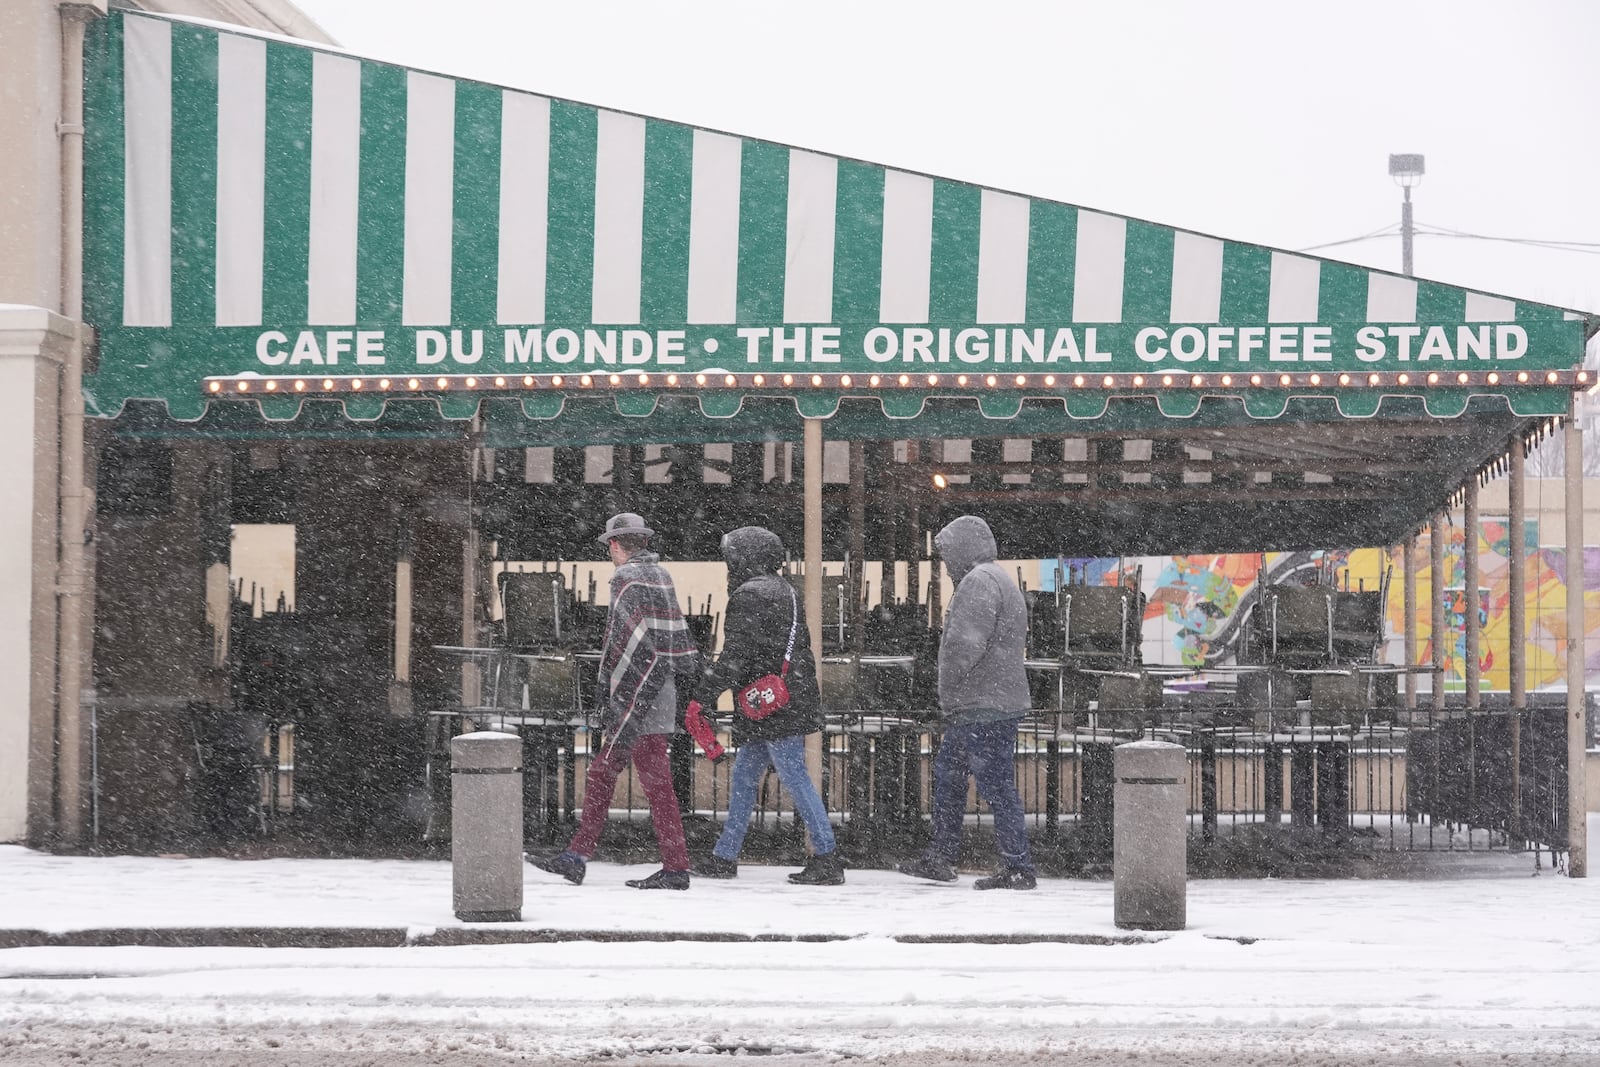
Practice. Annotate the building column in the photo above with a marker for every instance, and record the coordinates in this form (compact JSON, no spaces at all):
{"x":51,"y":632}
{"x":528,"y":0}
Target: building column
{"x":1474,"y":632}
{"x":400,"y":671}
{"x":1577,"y":758}
{"x":1517,"y":549}
{"x":1469,"y":561}
{"x":33,"y":350}
{"x":1438,"y":531}
{"x":1408,"y":583}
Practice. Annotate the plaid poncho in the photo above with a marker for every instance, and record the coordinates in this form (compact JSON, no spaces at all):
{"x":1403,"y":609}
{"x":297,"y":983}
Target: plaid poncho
{"x":646,"y":640}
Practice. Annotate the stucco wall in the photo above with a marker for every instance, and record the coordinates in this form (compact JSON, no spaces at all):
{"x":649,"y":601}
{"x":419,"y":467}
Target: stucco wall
{"x":32,"y":344}
{"x":30,"y":103}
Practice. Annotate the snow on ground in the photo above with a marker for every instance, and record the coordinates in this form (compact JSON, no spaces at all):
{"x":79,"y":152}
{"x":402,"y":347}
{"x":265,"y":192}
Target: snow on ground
{"x":1504,"y":966}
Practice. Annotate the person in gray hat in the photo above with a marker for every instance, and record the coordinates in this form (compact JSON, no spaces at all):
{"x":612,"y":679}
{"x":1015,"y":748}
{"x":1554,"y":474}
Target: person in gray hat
{"x":646,"y":650}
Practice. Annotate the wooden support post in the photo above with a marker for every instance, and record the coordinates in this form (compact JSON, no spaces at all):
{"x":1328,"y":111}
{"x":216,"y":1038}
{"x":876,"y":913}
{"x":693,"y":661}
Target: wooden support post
{"x":1474,"y":632}
{"x":889,"y":488}
{"x":914,"y":538}
{"x":1437,"y":532}
{"x":1516,"y":549}
{"x":1577,"y":779}
{"x":813,"y":576}
{"x":856,"y":578}
{"x":1469,"y":559}
{"x":1409,"y":611}
{"x":471,"y":676}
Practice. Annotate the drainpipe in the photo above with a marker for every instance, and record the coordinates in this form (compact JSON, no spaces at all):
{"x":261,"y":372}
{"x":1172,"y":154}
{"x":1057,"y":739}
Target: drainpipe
{"x":72,"y":586}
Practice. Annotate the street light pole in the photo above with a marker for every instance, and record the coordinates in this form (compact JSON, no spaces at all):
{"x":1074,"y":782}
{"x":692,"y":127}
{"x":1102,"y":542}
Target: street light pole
{"x":1406,"y":169}
{"x":1405,"y":231}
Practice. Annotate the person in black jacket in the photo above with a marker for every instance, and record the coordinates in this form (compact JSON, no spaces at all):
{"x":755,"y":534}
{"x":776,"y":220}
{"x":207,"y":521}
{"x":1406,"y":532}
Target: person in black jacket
{"x":764,"y":626}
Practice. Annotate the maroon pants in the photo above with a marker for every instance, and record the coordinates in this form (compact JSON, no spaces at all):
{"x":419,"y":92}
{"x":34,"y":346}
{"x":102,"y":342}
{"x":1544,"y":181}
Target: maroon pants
{"x":649,"y":756}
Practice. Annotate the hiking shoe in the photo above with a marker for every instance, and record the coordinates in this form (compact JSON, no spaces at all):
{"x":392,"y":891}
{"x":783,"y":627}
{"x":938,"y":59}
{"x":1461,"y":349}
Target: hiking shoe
{"x":1007,"y":878}
{"x":714,"y":866}
{"x":662,"y":879}
{"x":929,"y":867}
{"x":568,"y":865}
{"x":820,"y":870}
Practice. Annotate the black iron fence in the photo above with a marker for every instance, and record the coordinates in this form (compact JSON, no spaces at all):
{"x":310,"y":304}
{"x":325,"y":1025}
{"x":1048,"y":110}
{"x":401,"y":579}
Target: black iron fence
{"x":1333,"y":783}
{"x":1421,"y":781}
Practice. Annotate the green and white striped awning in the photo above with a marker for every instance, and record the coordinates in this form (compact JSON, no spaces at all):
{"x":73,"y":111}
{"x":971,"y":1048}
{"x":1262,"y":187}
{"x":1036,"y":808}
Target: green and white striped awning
{"x":273,"y":221}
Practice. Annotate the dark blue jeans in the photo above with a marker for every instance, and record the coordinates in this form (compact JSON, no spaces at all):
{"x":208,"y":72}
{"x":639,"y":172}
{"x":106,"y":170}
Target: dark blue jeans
{"x":987,"y":752}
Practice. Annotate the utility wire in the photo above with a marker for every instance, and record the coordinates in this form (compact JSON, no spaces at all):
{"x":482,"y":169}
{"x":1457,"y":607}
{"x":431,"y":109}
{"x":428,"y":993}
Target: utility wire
{"x":1588,"y":248}
{"x":1519,"y":240}
{"x":1383,"y":231}
{"x":1581,"y":247}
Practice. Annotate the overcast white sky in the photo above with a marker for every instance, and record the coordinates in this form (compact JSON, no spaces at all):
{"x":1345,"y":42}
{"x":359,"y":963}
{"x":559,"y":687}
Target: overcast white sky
{"x":1258,"y":121}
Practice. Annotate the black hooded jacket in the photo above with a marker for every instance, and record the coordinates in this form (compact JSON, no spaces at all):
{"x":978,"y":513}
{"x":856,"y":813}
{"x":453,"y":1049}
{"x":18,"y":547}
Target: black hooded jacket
{"x":761,"y":606}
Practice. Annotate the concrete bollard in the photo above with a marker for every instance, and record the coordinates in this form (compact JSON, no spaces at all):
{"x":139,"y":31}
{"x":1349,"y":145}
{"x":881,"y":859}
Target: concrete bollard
{"x":1150,"y":834}
{"x":486,"y":826}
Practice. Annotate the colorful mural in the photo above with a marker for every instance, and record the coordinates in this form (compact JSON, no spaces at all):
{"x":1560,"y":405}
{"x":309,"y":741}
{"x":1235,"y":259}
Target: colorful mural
{"x":1195,"y":604}
{"x":1546,"y":595}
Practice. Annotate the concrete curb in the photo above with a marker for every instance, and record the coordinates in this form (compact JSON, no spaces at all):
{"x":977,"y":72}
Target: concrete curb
{"x":400,"y":937}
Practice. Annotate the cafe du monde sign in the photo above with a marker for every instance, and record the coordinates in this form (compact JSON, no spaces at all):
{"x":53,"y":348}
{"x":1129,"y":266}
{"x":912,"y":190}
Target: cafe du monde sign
{"x":855,"y":348}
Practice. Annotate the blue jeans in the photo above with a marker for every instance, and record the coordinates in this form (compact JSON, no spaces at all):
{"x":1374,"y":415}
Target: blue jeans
{"x":787,"y":755}
{"x":987,"y":752}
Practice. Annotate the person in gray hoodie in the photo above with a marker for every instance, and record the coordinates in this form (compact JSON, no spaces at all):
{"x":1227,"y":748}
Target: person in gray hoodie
{"x":983,"y":692}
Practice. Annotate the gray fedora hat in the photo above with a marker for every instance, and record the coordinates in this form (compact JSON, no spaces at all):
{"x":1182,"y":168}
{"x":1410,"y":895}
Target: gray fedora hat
{"x":624,"y":523}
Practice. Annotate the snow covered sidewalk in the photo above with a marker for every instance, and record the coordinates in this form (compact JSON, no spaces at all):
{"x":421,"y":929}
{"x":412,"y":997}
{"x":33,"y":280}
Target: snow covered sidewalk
{"x":1501,"y":963}
{"x":289,"y":898}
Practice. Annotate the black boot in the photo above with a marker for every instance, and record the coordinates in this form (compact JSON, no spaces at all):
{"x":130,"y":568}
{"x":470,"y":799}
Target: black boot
{"x":929,"y":867}
{"x":821,"y":870}
{"x":1008,"y":878}
{"x":662,"y":879}
{"x":568,"y":865}
{"x":714,"y":866}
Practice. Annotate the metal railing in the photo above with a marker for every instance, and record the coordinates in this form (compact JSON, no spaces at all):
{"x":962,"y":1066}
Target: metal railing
{"x":1409,"y":782}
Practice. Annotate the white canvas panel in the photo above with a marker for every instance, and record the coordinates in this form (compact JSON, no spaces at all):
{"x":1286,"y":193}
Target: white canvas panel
{"x":430,"y":199}
{"x":147,"y":231}
{"x":714,"y":228}
{"x":1484,"y":308}
{"x":1391,"y":298}
{"x":1003,"y":258}
{"x":1099,"y":266}
{"x":241,"y":177}
{"x":618,"y":217}
{"x":1296,"y":283}
{"x":524,"y":206}
{"x":905,"y":281}
{"x":808,"y":267}
{"x":335,"y":189}
{"x":1196,"y":278}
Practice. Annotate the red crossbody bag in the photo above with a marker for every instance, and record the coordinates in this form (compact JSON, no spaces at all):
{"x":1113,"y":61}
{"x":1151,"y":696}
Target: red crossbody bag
{"x":770,"y":693}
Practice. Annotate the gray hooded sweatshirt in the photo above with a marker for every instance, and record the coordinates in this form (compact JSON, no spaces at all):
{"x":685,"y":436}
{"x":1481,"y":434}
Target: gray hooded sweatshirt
{"x":981,"y":677}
